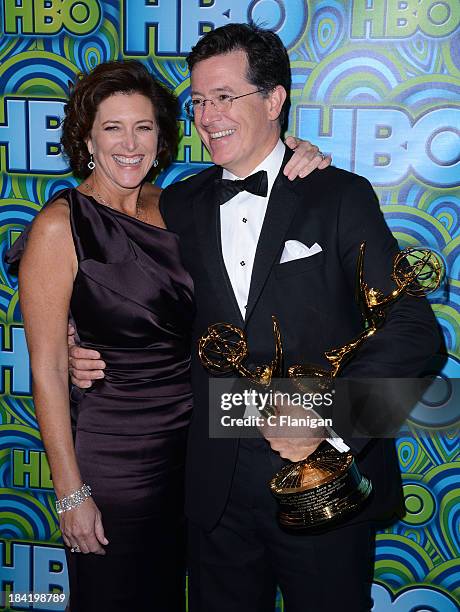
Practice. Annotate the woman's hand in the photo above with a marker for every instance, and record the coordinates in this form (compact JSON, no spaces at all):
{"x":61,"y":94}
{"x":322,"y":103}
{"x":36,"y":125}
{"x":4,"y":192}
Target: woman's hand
{"x":82,"y":527}
{"x":307,"y":157}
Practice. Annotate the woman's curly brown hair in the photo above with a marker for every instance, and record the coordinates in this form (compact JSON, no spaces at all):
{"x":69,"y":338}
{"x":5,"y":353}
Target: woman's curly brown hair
{"x":105,"y":80}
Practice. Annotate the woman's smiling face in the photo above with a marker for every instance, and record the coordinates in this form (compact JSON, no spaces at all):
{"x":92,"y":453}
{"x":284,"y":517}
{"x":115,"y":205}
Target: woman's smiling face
{"x":123,"y":140}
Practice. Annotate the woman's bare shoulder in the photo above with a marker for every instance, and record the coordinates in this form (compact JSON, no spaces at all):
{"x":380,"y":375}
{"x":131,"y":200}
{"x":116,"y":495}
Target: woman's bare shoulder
{"x":53,"y":221}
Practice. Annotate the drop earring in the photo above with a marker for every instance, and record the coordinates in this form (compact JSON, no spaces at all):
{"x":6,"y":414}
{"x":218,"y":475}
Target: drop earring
{"x":91,"y":164}
{"x":155,"y":163}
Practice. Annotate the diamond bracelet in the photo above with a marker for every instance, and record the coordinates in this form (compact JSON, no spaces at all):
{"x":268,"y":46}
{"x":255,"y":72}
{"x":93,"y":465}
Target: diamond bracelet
{"x":73,"y":500}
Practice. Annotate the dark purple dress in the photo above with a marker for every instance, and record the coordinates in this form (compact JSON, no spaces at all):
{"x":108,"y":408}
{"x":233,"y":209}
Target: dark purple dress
{"x":133,"y":302}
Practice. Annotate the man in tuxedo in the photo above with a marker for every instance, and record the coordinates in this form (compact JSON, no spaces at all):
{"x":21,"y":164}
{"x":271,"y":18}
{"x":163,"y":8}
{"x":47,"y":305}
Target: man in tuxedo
{"x":234,"y":243}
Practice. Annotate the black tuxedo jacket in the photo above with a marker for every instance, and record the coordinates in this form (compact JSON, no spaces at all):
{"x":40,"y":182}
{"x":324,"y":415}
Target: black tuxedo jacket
{"x":313,"y":299}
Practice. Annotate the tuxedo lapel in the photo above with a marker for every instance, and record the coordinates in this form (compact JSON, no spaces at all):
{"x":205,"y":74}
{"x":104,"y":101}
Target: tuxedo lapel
{"x":281,"y":208}
{"x":207,"y":219}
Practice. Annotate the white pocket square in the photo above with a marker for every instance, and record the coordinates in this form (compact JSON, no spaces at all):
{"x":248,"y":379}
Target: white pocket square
{"x":293,"y":249}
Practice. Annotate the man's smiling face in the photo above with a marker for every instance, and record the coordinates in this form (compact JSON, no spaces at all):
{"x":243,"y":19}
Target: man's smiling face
{"x":242,"y":136}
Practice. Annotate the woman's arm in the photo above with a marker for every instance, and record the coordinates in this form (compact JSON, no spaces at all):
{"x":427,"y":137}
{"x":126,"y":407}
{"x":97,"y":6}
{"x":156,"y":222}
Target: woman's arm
{"x":46,"y":274}
{"x":307,"y":157}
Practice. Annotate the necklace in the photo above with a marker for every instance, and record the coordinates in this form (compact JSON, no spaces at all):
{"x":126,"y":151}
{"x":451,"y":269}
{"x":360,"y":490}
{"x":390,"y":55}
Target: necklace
{"x":139,"y":214}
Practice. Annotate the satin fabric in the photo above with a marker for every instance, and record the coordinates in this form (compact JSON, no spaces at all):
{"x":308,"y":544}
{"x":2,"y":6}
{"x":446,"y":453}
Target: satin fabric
{"x":133,"y":302}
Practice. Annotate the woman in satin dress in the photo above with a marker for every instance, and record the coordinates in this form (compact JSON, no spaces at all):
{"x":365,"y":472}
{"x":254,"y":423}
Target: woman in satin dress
{"x":101,"y":252}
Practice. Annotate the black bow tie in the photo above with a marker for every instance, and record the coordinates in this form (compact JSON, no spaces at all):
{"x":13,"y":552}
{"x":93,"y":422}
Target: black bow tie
{"x":255,"y":183}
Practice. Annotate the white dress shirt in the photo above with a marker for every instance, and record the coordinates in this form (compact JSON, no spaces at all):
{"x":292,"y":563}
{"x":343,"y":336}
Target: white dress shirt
{"x":241,"y":220}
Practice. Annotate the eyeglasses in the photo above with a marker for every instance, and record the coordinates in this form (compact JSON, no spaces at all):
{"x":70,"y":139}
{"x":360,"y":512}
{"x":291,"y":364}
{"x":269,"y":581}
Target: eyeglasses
{"x":222,"y":103}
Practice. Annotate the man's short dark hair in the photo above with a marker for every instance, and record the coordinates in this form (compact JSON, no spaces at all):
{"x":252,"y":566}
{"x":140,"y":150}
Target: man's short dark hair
{"x":268,"y":61}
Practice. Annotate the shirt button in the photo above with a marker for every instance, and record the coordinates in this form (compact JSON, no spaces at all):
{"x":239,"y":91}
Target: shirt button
{"x":242,"y":263}
{"x":244,"y":220}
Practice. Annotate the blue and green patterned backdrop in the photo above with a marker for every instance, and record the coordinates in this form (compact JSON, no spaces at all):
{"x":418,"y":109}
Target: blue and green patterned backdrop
{"x":376,"y":83}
